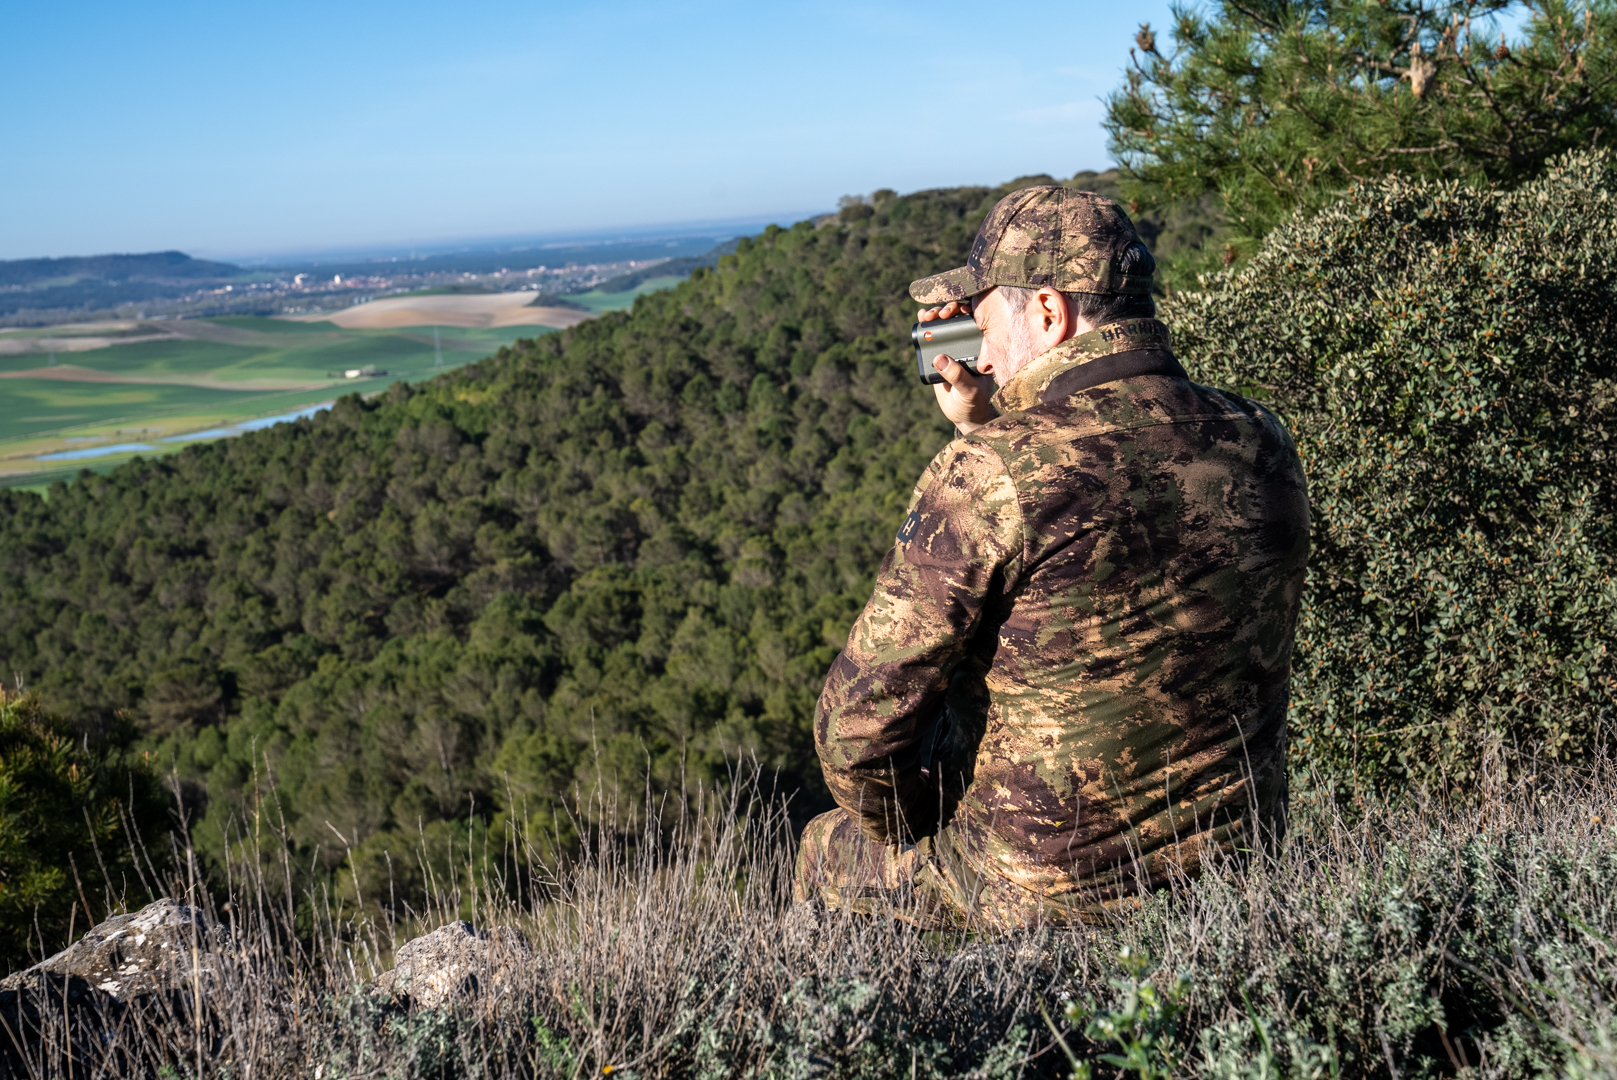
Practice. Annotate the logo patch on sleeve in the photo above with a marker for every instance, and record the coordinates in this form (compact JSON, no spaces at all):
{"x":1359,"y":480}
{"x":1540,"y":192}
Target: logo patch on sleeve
{"x":907,"y":530}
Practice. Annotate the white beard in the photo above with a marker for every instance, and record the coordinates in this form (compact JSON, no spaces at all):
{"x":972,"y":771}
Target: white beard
{"x":1021,"y":350}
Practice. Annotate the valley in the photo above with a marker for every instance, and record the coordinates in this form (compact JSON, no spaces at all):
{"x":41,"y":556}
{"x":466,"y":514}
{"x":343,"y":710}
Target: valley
{"x":98,"y":394}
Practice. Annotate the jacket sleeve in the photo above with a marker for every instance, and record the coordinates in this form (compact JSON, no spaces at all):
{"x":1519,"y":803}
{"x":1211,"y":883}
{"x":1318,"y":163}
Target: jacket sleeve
{"x":961,"y":543}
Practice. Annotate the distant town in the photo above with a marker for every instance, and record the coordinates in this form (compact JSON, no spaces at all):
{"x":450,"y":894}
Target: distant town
{"x":174,"y":285}
{"x":265,"y":293}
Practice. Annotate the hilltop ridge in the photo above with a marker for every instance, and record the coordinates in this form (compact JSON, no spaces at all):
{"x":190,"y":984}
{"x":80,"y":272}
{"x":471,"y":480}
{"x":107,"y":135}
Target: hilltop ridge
{"x":639,"y":541}
{"x":155,"y":266}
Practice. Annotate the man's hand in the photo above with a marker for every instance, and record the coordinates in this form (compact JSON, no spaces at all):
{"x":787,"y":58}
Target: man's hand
{"x":963,"y":397}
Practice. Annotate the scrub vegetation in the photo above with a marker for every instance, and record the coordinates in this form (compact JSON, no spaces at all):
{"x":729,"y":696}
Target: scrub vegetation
{"x":1443,"y":355}
{"x":1417,"y":940}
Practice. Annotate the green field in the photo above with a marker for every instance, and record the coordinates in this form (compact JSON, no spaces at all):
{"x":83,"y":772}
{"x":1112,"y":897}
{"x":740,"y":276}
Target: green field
{"x":215,"y":374}
{"x":229,"y":370}
{"x":598,"y":302}
{"x":30,"y":408}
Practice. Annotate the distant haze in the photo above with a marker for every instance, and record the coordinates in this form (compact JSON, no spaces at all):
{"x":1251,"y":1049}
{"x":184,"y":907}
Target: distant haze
{"x":232,"y":131}
{"x":653,"y":241}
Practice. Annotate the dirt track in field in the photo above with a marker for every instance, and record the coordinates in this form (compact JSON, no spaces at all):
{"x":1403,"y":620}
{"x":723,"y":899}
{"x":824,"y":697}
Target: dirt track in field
{"x":17,"y":346}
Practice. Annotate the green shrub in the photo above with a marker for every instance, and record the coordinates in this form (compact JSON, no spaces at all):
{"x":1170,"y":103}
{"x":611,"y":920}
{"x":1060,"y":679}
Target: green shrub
{"x":1444,"y":356}
{"x":69,"y":817}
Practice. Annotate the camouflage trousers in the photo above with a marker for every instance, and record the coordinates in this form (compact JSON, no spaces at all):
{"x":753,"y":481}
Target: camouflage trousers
{"x":926,"y":883}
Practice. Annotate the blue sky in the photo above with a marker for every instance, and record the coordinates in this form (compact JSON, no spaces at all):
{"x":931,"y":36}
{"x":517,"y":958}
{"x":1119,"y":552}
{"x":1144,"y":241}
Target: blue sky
{"x":235,"y":130}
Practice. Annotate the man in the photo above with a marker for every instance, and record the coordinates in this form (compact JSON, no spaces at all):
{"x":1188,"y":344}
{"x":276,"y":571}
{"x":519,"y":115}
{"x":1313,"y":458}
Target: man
{"x":1071,"y":679}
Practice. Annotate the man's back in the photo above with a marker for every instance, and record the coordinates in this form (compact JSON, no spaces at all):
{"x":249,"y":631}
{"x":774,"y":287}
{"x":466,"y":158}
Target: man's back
{"x":1144,"y":639}
{"x":1072,"y":673}
{"x":1109,"y":581}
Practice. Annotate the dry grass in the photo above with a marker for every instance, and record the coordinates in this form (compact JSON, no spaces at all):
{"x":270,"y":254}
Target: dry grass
{"x":1419,"y":940}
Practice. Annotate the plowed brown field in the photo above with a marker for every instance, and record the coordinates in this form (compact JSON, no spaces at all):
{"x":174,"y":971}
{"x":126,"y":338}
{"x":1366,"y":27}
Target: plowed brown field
{"x":475,"y":311}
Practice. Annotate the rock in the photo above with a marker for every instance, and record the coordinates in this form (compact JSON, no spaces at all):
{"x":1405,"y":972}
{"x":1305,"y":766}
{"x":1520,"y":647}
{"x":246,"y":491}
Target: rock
{"x":456,"y":960}
{"x":141,"y":952}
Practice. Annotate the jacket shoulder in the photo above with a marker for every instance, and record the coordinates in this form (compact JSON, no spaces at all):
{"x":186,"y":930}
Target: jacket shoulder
{"x":1145,"y":402}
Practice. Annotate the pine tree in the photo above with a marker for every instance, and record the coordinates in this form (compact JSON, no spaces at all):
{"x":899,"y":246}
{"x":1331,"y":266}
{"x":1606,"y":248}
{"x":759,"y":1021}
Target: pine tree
{"x":71,"y":815}
{"x":1268,"y":106}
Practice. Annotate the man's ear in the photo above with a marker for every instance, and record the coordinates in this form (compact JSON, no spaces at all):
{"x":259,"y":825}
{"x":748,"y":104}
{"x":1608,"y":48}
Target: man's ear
{"x":1055,"y":316}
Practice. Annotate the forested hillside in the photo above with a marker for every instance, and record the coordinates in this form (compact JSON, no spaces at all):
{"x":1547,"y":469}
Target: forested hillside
{"x":626,"y":554}
{"x":630,"y":548}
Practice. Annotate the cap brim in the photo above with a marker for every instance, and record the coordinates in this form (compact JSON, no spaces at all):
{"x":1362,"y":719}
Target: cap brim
{"x":949,"y":285}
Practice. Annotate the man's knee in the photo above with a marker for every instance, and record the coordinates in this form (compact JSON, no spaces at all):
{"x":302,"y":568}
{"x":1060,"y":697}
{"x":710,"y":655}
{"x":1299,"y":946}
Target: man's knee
{"x":836,"y":862}
{"x":822,"y":854}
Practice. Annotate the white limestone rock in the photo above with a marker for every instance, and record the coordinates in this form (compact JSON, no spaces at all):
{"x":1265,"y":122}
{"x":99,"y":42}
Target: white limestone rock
{"x":139,"y":952}
{"x":455,"y":961}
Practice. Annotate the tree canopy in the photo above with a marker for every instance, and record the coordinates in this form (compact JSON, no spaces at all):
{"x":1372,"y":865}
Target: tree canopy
{"x":75,"y":819}
{"x":1271,"y":106}
{"x":625,"y":553}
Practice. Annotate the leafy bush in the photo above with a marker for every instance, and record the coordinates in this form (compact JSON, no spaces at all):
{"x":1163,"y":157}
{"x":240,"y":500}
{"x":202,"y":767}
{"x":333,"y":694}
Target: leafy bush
{"x":1444,"y":357}
{"x":72,"y":820}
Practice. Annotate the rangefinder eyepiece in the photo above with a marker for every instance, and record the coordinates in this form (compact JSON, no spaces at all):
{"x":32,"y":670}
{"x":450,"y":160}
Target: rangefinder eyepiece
{"x":957,"y":337}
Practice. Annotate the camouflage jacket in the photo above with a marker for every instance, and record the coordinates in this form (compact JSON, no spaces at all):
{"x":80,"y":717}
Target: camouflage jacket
{"x":1084,"y":628}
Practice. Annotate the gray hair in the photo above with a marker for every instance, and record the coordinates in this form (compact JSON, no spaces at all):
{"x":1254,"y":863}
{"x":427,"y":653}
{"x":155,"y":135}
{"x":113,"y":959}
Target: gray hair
{"x":1098,"y":309}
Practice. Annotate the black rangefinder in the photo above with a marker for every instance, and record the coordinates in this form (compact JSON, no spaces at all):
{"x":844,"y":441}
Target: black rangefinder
{"x":957,"y":337}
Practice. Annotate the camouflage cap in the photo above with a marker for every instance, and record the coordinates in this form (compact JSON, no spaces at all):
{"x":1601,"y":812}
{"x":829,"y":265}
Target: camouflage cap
{"x":1069,"y":240}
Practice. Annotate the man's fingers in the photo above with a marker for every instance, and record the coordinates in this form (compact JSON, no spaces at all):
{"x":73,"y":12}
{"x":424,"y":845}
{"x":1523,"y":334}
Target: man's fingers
{"x":950,"y":369}
{"x":947,"y":311}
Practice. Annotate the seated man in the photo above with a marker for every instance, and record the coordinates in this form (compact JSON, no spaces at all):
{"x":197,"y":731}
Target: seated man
{"x":1071,"y":679}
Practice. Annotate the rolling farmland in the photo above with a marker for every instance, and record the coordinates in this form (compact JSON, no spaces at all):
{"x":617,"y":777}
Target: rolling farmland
{"x":92,"y":397}
{"x":597,"y":301}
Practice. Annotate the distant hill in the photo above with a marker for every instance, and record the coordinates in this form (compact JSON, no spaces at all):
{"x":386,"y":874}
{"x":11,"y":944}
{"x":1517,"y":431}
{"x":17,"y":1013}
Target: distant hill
{"x":155,"y":266}
{"x":487,"y":262}
{"x":681,"y":267}
{"x":101,"y":282}
{"x":40,"y":292}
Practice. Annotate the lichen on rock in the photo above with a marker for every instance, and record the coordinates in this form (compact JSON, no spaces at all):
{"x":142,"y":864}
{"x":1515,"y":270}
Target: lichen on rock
{"x":163,"y":946}
{"x":456,"y":960}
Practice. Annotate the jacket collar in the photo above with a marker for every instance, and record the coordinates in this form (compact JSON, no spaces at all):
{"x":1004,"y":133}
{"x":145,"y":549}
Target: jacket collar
{"x":1028,"y":387}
